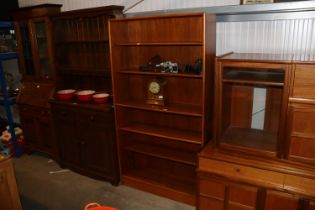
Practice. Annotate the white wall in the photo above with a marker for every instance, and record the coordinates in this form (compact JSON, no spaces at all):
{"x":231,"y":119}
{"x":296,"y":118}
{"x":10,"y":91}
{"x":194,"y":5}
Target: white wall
{"x":279,"y":36}
{"x":146,"y":5}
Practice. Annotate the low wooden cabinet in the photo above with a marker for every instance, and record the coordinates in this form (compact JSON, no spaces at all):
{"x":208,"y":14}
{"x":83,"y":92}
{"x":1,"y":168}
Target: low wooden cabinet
{"x":35,"y":116}
{"x":238,"y":182}
{"x":9,"y":197}
{"x":37,"y":126}
{"x":86,"y":140}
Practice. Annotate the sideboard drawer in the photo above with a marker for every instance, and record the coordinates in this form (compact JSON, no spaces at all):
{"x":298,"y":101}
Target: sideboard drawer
{"x":304,"y":81}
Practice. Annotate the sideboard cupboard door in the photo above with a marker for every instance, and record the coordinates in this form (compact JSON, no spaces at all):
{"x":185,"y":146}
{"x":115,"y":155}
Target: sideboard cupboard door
{"x":312,"y":205}
{"x":304,"y":81}
{"x":242,"y":197}
{"x":301,"y":137}
{"x":206,"y":203}
{"x":281,"y":201}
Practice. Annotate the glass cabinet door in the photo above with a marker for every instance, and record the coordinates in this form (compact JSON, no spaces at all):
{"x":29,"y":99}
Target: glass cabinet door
{"x":27,"y":49}
{"x":42,"y":47}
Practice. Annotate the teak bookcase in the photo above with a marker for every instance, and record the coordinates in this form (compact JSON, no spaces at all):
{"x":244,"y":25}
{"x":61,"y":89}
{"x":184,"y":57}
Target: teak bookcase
{"x":158,"y":145}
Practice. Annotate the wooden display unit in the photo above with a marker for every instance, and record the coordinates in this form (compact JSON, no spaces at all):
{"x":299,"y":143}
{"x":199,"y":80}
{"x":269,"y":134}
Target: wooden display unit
{"x":252,"y":97}
{"x":85,"y":131}
{"x":269,"y":165}
{"x":33,"y":27}
{"x":158,"y":144}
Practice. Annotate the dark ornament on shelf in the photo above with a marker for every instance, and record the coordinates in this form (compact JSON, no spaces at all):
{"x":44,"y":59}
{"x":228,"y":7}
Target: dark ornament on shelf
{"x":151,"y":66}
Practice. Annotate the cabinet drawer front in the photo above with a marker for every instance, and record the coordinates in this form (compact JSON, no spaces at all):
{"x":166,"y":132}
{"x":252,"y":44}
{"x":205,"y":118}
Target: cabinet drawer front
{"x":304,"y":82}
{"x":303,"y":148}
{"x":212,"y":188}
{"x":206,"y":203}
{"x":303,"y":120}
{"x":34,"y":111}
{"x":281,"y":201}
{"x":95,"y":117}
{"x":63,"y":113}
{"x":243,"y":195}
{"x":235,"y":206}
{"x":242,"y":173}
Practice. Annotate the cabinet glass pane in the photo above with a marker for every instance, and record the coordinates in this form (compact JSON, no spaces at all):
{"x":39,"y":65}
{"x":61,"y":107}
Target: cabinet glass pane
{"x":251,"y":106}
{"x":41,"y":38}
{"x":27,"y":52}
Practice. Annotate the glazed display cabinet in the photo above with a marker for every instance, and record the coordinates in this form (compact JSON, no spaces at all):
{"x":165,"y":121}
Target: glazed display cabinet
{"x":33,"y":28}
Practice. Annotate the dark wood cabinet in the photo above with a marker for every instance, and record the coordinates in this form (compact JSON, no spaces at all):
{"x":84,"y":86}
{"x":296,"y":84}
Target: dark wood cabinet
{"x":85,"y":131}
{"x":37,"y":128}
{"x":86,"y":140}
{"x":158,"y":144}
{"x":33,"y":27}
{"x":9,"y":196}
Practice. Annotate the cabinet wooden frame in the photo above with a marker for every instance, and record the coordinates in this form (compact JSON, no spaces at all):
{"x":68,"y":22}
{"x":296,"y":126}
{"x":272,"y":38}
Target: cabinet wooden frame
{"x":165,"y":138}
{"x":257,"y":65}
{"x":85,"y":131}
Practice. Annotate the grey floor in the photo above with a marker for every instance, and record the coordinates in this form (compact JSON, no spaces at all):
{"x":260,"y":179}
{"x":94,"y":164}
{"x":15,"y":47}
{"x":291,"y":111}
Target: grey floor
{"x":41,"y":190}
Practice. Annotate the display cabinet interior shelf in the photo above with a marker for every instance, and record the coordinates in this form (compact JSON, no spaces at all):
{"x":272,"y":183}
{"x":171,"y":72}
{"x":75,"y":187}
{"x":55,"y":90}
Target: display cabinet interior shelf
{"x":159,"y":134}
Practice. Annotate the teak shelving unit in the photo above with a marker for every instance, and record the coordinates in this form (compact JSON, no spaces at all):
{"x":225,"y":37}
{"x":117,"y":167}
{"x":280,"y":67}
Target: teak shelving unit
{"x":158,"y":145}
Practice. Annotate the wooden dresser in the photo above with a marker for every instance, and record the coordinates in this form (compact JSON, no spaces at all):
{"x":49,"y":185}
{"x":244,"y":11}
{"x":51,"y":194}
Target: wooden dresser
{"x":262,"y":155}
{"x":9,"y":196}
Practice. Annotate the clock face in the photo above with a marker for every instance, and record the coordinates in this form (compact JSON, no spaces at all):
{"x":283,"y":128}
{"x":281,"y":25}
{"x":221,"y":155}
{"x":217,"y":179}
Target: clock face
{"x":154,"y":87}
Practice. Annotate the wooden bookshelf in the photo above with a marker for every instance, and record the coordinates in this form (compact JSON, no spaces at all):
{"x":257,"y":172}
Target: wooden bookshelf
{"x":158,"y":144}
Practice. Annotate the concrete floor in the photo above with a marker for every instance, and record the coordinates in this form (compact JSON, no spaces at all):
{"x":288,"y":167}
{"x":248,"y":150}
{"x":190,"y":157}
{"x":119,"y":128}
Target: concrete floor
{"x":41,"y":190}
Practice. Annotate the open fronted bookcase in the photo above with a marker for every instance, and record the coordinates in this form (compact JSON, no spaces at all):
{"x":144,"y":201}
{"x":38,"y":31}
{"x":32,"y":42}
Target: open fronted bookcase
{"x":158,"y":143}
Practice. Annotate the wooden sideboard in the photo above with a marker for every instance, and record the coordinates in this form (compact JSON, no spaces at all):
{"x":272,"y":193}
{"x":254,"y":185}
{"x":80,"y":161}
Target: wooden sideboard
{"x":9,"y":196}
{"x":265,"y":161}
